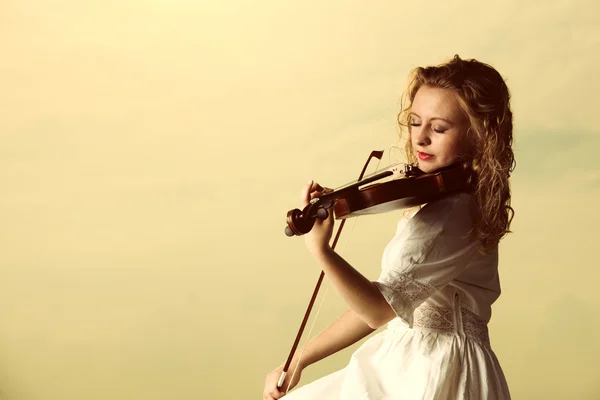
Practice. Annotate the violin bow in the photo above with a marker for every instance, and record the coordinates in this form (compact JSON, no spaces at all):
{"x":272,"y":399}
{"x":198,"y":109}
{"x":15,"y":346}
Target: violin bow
{"x":374,"y":154}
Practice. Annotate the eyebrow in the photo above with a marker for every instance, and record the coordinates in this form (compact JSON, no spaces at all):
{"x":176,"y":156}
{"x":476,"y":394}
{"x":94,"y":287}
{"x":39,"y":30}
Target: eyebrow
{"x":441,"y":119}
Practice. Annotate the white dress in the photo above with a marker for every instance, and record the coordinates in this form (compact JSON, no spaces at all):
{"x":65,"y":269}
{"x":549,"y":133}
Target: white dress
{"x":441,"y":289}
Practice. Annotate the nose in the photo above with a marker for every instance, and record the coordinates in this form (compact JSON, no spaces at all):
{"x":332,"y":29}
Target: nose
{"x":420,"y":136}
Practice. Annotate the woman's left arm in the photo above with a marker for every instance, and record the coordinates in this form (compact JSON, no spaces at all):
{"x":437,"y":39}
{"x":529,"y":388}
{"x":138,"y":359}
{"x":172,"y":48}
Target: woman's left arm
{"x":360,"y":294}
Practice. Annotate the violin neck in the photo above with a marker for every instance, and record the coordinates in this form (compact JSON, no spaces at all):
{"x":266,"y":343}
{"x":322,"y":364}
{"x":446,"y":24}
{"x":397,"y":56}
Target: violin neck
{"x":393,"y":171}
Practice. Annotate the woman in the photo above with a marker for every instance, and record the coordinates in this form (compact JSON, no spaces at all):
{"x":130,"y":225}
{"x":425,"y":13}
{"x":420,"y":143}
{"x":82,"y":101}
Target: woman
{"x":439,"y":272}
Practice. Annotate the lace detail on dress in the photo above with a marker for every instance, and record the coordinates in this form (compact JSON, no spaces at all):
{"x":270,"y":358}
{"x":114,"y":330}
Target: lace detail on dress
{"x":412,"y":291}
{"x":433,"y":317}
{"x":437,"y":318}
{"x":475,"y":326}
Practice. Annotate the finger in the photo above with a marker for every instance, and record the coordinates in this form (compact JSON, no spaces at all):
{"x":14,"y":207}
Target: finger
{"x":315,"y":193}
{"x":310,"y":191}
{"x":268,"y":396}
{"x":315,"y":189}
{"x":305,"y":194}
{"x":312,"y":186}
{"x":275,"y":394}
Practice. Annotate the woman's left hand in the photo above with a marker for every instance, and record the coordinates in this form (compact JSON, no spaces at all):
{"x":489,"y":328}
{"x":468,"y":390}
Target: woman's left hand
{"x":318,"y":238}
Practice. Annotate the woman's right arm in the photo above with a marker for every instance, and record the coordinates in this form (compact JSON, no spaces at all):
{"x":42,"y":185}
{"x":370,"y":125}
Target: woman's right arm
{"x":348,"y":329}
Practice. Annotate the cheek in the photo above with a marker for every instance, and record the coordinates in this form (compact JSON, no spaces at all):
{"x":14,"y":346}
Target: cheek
{"x":452,"y":148}
{"x":457,"y":147}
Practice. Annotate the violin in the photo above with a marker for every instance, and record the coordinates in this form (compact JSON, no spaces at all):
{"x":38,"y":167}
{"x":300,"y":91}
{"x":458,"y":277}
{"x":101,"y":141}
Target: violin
{"x":403,"y":186}
{"x":395,"y":187}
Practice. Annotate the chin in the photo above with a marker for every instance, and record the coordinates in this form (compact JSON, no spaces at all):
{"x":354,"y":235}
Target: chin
{"x":427,"y":167}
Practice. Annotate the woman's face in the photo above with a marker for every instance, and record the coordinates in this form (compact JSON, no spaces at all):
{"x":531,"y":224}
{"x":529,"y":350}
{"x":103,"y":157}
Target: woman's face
{"x":437,"y":126}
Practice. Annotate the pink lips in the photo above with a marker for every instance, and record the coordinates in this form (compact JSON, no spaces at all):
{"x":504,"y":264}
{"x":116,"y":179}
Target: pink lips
{"x":423,"y":156}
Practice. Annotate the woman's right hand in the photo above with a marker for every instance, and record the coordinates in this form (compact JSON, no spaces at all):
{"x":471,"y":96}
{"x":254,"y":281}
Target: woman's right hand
{"x":271,"y":391}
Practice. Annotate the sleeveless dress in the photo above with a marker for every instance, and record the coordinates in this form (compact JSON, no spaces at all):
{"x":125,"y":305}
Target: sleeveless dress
{"x":441,"y":289}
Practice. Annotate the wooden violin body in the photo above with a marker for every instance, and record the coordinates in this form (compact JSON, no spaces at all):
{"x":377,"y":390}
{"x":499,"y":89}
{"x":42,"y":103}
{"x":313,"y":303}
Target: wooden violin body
{"x":405,"y":186}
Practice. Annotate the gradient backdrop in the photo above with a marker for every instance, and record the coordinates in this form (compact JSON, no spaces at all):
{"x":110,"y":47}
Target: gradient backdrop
{"x":150,"y":151}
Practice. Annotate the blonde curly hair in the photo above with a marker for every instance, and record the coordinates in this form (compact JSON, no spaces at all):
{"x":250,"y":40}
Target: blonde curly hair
{"x":485,"y":100}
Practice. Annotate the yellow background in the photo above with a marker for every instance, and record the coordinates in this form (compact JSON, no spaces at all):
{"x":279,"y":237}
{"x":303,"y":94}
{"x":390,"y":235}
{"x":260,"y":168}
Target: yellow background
{"x":151,"y":149}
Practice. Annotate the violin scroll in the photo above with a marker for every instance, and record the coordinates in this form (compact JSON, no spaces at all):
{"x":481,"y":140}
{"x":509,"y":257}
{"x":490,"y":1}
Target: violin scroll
{"x":301,"y":222}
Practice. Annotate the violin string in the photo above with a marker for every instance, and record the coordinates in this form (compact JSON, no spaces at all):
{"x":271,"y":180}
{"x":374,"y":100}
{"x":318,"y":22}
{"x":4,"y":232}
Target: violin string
{"x":316,"y":315}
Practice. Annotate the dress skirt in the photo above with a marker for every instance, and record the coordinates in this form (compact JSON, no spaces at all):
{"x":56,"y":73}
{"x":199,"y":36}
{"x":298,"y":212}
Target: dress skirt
{"x":430,"y":361}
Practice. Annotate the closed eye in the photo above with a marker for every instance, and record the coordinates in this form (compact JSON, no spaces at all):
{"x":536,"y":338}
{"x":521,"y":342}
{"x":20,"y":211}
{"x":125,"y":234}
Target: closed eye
{"x":436,"y":130}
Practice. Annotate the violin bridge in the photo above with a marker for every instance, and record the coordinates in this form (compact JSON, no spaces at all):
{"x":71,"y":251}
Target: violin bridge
{"x":411,"y":170}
